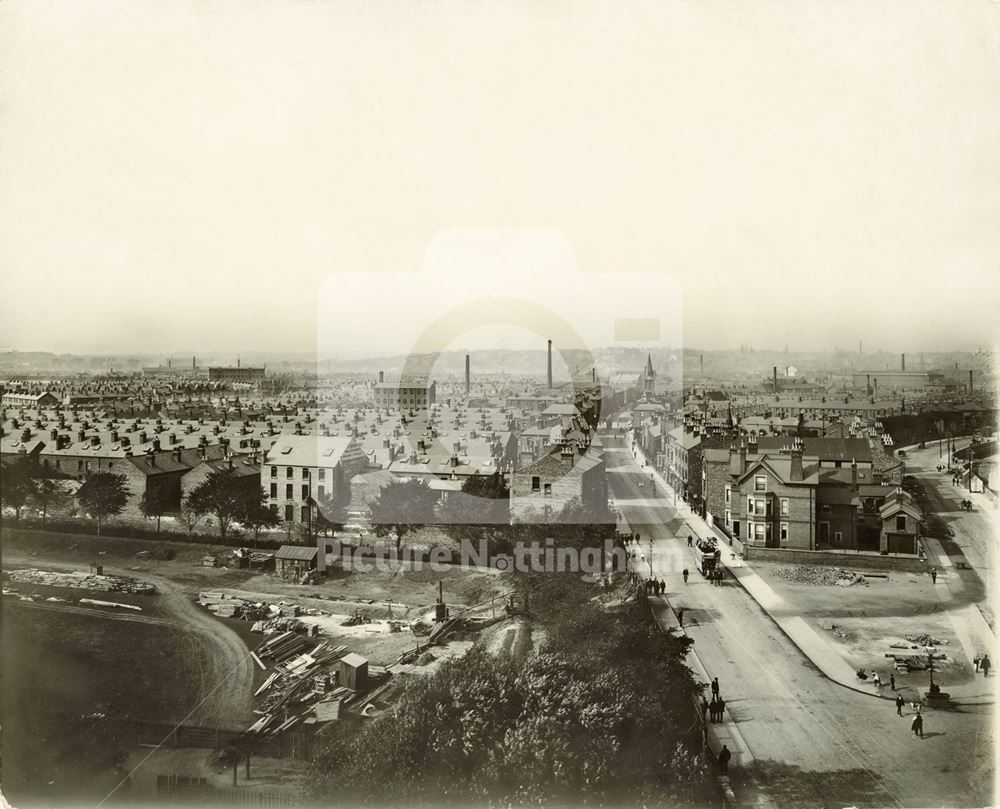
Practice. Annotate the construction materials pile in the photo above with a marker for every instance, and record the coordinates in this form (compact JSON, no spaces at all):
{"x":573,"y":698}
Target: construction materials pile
{"x":925,"y":640}
{"x":82,"y":581}
{"x":304,"y":685}
{"x":228,"y":606}
{"x":823,"y":576}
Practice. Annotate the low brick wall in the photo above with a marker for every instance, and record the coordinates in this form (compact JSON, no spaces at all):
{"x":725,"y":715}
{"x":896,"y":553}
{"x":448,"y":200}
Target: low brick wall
{"x":908,"y":564}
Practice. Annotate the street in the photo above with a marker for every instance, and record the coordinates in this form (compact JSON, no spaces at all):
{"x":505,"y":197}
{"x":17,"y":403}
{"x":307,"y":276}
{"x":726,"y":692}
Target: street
{"x":812,"y":741}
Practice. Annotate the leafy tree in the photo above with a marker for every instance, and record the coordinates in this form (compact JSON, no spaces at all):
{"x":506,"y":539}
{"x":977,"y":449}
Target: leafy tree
{"x":403,"y":507}
{"x":222,"y":495}
{"x":256,"y":513}
{"x":17,"y":484}
{"x":190,"y":514}
{"x":48,"y":494}
{"x":103,"y":495}
{"x":481,"y":508}
{"x":154,"y":503}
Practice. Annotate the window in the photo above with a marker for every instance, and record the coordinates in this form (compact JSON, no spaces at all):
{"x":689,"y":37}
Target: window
{"x":758,"y":532}
{"x":288,"y":492}
{"x":305,"y":491}
{"x":784,"y":506}
{"x":289,"y":514}
{"x":901,"y":522}
{"x":760,"y":483}
{"x":274,"y":471}
{"x":322,"y":474}
{"x":784,"y":533}
{"x":274,"y":510}
{"x":729,"y":495}
{"x":321,"y":492}
{"x":548,"y":490}
{"x":729,"y":517}
{"x":838,"y":538}
{"x":288,"y":472}
{"x":536,"y":484}
{"x":750,"y":506}
{"x":305,"y":513}
{"x":825,"y":508}
{"x":759,"y":507}
{"x":305,"y":474}
{"x":274,"y":490}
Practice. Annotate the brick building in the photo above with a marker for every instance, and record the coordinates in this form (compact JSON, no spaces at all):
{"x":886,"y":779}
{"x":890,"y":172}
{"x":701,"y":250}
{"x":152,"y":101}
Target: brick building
{"x":540,"y":490}
{"x":303,"y":470}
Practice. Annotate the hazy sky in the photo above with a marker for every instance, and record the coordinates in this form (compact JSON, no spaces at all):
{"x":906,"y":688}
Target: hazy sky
{"x":189,"y":174}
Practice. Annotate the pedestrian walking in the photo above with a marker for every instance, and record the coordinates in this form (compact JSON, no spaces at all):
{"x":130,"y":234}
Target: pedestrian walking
{"x":713,"y":708}
{"x":724,"y":756}
{"x":721,"y":709}
{"x":892,"y":680}
{"x":917,"y":725}
{"x":690,"y":540}
{"x":985,"y":665}
{"x":715,"y":687}
{"x":684,"y":573}
{"x":663,"y":587}
{"x":975,"y":662}
{"x":933,"y":575}
{"x":680,"y":616}
{"x":899,"y":704}
{"x":876,"y":679}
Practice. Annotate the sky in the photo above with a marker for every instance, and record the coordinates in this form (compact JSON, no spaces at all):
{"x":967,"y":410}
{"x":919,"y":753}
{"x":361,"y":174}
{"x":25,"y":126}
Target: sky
{"x":206,"y":174}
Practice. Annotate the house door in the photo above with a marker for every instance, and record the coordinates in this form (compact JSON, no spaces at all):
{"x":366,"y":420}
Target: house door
{"x":824,"y":533}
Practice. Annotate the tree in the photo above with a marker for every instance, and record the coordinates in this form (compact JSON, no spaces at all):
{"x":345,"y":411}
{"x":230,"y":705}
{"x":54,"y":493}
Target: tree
{"x":257,"y":514}
{"x":482,"y":508}
{"x":103,"y":495}
{"x":223,"y":495}
{"x":403,"y":507}
{"x":17,"y":484}
{"x":154,"y":504}
{"x":190,"y":514}
{"x":48,"y":494}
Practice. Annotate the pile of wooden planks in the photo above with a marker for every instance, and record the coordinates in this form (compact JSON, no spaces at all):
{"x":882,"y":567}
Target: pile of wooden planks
{"x":303,"y":685}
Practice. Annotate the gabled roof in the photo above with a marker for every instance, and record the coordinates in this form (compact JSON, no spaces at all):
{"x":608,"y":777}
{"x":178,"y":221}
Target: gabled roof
{"x":899,"y":501}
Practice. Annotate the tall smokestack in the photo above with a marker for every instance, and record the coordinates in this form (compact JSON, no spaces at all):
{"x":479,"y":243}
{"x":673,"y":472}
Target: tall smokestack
{"x":868,"y":386}
{"x":468,"y":375}
{"x":903,"y":361}
{"x":593,"y":374}
{"x":194,"y":362}
{"x":550,"y":365}
{"x":381,"y":376}
{"x":701,"y":364}
{"x":237,"y":362}
{"x":970,"y":380}
{"x":775,"y":378}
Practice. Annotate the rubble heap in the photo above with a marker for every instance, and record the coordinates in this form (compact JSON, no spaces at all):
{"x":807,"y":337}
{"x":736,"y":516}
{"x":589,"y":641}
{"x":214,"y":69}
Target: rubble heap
{"x":81,"y":581}
{"x":824,"y":576}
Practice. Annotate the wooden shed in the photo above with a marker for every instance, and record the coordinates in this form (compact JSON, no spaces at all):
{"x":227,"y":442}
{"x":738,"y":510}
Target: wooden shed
{"x":354,"y":672}
{"x":294,"y":561}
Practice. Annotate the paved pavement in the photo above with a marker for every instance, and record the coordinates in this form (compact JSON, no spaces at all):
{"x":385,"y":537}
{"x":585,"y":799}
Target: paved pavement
{"x":807,"y":741}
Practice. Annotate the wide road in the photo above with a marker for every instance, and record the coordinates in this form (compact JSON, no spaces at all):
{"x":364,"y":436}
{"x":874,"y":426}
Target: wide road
{"x":813,"y":743}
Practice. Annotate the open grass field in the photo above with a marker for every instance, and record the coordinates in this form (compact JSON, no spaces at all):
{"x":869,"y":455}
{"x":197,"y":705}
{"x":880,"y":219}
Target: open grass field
{"x":72,"y":685}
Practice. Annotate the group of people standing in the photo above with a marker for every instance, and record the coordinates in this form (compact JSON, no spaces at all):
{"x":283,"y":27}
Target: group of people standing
{"x":655,"y":587}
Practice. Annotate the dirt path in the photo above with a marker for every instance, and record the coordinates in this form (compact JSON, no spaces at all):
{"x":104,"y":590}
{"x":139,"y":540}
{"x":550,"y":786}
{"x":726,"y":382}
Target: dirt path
{"x":225,"y":670}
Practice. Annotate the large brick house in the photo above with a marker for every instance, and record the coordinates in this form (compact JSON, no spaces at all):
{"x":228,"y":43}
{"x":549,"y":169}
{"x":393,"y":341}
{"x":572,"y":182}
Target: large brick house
{"x":789,"y":498}
{"x":302,"y":470}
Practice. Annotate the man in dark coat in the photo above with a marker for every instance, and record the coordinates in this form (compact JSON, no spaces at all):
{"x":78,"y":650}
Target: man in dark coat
{"x":899,"y":704}
{"x":724,"y":756}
